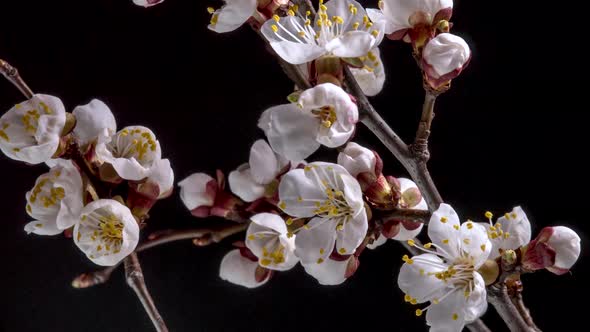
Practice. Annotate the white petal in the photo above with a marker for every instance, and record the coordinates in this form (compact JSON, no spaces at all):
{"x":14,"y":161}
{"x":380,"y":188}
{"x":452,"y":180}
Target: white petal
{"x":290,"y":132}
{"x":371,"y":77}
{"x":353,"y":234}
{"x":477,"y":302}
{"x":351,"y":44}
{"x":147,"y":3}
{"x":518,"y":230}
{"x":162,"y":174}
{"x":351,"y":188}
{"x":92,"y":119}
{"x":40,"y":227}
{"x":328,"y":273}
{"x":266,"y":238}
{"x":193,"y":191}
{"x":443,"y":229}
{"x":264,"y":164}
{"x":416,"y":280}
{"x":288,"y":44}
{"x":567,"y":246}
{"x":475,"y":242}
{"x":298,"y":192}
{"x":315,"y":244}
{"x":399,"y":11}
{"x":270,"y":221}
{"x":233,"y":15}
{"x":357,"y":159}
{"x":449,"y":314}
{"x":239,"y":270}
{"x":446,"y":53}
{"x":377,"y":16}
{"x":242,"y":184}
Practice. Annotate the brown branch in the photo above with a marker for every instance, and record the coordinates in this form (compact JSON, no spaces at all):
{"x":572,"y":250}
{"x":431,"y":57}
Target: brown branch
{"x":200,"y":237}
{"x":12,"y":75}
{"x":422,"y":216}
{"x":135,"y":280}
{"x":524,"y":311}
{"x":478,"y":326}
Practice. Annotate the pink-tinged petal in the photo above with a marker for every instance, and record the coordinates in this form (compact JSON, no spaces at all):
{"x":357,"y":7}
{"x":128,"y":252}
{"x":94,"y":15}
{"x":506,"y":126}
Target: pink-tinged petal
{"x":566,"y":244}
{"x":147,"y":3}
{"x":357,"y":159}
{"x":446,"y":53}
{"x":290,"y":131}
{"x":197,"y":190}
{"x":240,"y":270}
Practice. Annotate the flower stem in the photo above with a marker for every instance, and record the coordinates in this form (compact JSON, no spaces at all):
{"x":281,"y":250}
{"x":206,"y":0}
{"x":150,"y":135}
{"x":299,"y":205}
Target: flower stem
{"x":524,"y":311}
{"x":12,"y":75}
{"x":135,"y":280}
{"x":200,"y":237}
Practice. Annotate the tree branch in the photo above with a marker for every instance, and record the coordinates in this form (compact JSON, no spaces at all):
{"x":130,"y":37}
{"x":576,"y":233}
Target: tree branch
{"x":422,"y":216}
{"x":12,"y":75}
{"x":498,"y":297}
{"x":524,"y":311}
{"x":200,"y":237}
{"x":135,"y":280}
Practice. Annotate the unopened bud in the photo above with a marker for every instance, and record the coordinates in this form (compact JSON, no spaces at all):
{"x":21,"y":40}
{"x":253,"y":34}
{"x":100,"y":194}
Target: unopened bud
{"x":443,"y":59}
{"x":411,"y":197}
{"x":509,"y":257}
{"x":556,"y":248}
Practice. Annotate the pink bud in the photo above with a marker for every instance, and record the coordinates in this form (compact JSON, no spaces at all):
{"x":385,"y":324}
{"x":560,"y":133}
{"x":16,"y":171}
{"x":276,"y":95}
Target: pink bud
{"x":556,"y":248}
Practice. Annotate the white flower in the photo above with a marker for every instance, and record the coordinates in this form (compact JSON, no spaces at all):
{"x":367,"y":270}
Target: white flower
{"x":555,"y":248}
{"x":332,"y":272}
{"x":445,"y":56}
{"x":325,"y":115}
{"x":341,"y":28}
{"x":107,"y":232}
{"x":511,"y":231}
{"x":400,"y":15}
{"x":147,"y":3}
{"x":372,"y":76}
{"x":92,"y":120}
{"x":402,"y":230}
{"x":333,"y":200}
{"x":55,"y":201}
{"x":357,"y":159}
{"x":241,"y":270}
{"x":31,"y":131}
{"x":162,"y":175}
{"x":267,"y":238}
{"x":232,"y":15}
{"x":132,"y":151}
{"x":254,"y":180}
{"x":451,"y":283}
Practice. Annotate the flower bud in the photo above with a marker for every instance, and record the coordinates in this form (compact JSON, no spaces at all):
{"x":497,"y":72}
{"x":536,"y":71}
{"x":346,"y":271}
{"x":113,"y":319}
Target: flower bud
{"x":205,"y":196}
{"x":443,"y":59}
{"x":357,"y":159}
{"x":555,"y":248}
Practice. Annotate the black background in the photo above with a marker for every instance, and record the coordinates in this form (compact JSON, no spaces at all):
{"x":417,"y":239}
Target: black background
{"x":512,"y":131}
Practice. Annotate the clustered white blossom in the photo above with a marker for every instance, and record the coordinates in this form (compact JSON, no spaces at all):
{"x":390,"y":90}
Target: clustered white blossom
{"x":64,"y":200}
{"x":319,"y":214}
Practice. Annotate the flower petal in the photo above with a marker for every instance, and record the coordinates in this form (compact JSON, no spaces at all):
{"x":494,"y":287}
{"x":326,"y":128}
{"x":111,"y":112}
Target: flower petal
{"x":443,"y":229}
{"x":328,"y":273}
{"x":416,"y":280}
{"x":286,"y":42}
{"x":357,"y":159}
{"x":352,"y":235}
{"x":239,"y":270}
{"x":232,"y":15}
{"x":92,"y":119}
{"x":264,"y":164}
{"x":41,"y":227}
{"x":194,"y":193}
{"x":475,"y":242}
{"x":314,"y":245}
{"x":517,"y":231}
{"x":477,"y":302}
{"x":299,"y":192}
{"x":372,"y":76}
{"x":351,"y":44}
{"x":242,"y":184}
{"x":290,"y":132}
{"x":566,"y":244}
{"x":449,"y":314}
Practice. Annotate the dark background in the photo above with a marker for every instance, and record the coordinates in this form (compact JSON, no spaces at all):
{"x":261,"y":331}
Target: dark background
{"x":512,"y":131}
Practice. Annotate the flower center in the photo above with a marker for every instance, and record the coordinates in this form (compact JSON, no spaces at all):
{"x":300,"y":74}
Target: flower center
{"x":420,"y":17}
{"x":106,"y":229}
{"x":276,"y":256}
{"x":134,"y":143}
{"x":327,"y":115}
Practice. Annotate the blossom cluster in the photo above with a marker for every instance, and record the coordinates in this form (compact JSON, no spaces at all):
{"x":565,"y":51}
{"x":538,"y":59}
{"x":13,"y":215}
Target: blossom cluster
{"x":91,"y":167}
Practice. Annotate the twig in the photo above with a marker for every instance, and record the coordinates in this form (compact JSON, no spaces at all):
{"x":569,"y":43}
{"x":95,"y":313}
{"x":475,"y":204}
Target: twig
{"x":12,"y":75}
{"x":200,"y":237}
{"x":524,"y":311}
{"x":420,"y":146}
{"x":498,"y":297}
{"x":414,"y":165}
{"x":478,"y":326}
{"x":422,"y":216}
{"x":135,"y":280}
